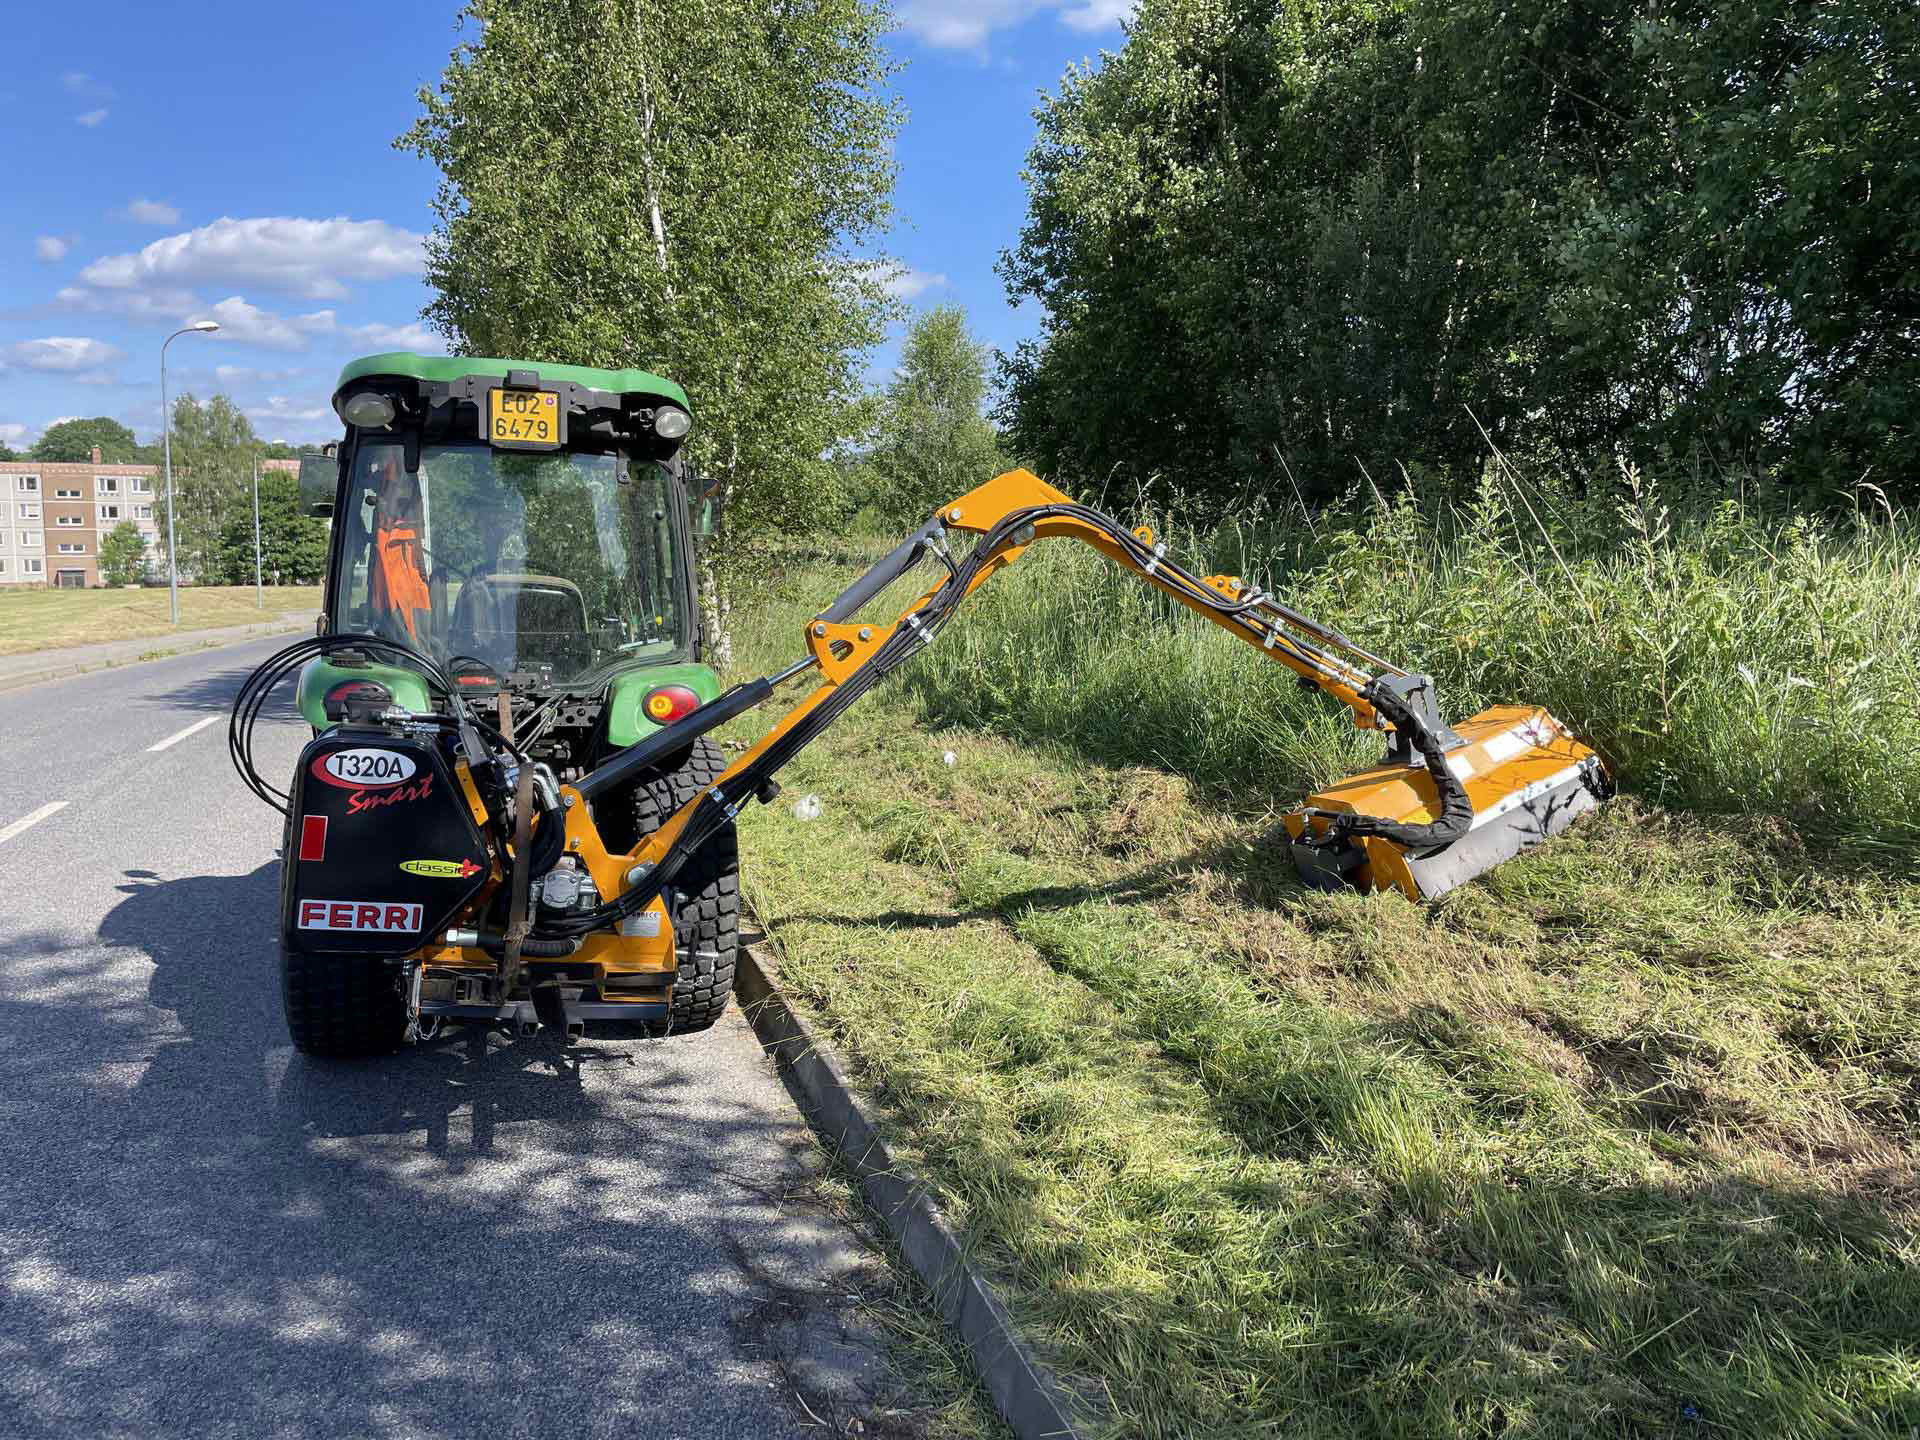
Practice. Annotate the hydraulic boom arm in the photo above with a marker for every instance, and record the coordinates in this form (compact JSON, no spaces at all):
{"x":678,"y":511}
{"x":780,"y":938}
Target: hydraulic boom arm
{"x":1008,"y":513}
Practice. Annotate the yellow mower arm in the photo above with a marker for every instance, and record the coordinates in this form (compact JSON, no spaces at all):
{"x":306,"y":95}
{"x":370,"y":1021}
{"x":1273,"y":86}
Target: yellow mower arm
{"x":1371,"y":836}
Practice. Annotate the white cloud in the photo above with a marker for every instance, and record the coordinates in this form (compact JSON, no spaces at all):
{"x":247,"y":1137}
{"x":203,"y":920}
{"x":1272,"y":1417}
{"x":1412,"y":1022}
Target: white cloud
{"x":52,"y":247}
{"x":91,"y":119}
{"x":151,"y":212}
{"x":294,"y":419}
{"x":902,"y":282}
{"x":79,"y":82}
{"x":282,"y":410}
{"x":1096,"y":15}
{"x":63,"y":354}
{"x":310,"y":258}
{"x":164,"y":304}
{"x":240,"y":320}
{"x":906,"y":283}
{"x":248,"y":375}
{"x":966,"y":24}
{"x":15,"y":436}
{"x":415,"y":336}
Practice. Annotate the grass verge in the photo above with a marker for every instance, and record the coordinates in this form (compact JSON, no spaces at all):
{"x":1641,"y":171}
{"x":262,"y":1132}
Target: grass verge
{"x":52,"y":619}
{"x":1615,"y":1141}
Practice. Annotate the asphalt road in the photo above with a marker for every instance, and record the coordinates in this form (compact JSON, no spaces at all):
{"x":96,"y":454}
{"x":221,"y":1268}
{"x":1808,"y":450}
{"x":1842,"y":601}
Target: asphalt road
{"x":204,"y":1234}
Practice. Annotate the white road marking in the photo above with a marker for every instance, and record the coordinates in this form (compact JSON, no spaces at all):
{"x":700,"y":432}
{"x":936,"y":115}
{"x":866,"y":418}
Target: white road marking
{"x":180,"y":735}
{"x":52,"y":807}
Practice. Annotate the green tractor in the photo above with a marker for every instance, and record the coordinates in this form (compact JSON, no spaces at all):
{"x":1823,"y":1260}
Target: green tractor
{"x":512,"y":812}
{"x":529,"y":532}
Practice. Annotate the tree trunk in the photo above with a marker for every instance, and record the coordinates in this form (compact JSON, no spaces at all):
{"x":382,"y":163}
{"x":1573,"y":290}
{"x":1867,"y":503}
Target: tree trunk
{"x":654,"y":216}
{"x":714,"y":608}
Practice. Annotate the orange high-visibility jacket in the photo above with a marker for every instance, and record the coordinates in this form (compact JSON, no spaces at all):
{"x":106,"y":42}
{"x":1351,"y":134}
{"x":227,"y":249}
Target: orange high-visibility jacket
{"x":399,"y":577}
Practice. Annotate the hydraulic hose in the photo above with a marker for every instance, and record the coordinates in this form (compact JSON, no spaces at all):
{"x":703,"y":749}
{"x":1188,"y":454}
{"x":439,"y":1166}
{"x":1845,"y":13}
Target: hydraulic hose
{"x":1456,"y":810}
{"x":254,"y":690}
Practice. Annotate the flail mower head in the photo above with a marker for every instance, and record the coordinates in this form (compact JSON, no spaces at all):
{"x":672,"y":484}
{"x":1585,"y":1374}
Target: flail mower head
{"x":1524,"y":777}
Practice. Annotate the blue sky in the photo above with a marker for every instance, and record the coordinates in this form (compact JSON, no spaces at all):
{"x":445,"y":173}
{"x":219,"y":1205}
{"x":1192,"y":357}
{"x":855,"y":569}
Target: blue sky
{"x":234,"y":160}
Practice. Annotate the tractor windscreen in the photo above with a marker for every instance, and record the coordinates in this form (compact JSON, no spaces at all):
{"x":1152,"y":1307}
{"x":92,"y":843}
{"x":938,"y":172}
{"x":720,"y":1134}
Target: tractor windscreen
{"x":558,"y":565}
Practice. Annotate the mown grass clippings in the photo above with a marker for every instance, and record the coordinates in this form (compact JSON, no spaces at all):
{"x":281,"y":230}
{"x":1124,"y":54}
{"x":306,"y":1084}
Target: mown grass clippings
{"x":1614,"y":1141}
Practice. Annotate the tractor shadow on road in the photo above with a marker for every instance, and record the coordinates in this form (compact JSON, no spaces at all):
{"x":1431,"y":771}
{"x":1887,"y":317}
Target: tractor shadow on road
{"x":223,"y":1237}
{"x":214,"y":694}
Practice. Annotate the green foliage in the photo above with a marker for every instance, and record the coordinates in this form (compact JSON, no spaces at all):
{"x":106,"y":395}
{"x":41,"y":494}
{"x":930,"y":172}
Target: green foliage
{"x":293,"y":545}
{"x":932,"y":442}
{"x":1363,"y":230}
{"x":73,"y":440}
{"x":680,"y":188}
{"x":123,"y":555}
{"x":7,"y":452}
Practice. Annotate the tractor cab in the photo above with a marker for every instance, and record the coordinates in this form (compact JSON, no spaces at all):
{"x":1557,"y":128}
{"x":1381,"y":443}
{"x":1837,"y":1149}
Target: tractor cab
{"x":527,"y":528}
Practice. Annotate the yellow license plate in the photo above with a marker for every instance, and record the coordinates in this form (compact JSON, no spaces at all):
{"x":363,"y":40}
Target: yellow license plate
{"x":523,"y":417}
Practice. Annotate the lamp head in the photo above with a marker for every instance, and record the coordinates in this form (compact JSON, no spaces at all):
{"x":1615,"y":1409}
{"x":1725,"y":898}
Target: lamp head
{"x":206,"y":327}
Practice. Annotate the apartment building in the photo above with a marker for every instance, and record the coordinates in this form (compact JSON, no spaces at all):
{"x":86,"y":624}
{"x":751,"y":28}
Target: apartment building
{"x":53,"y":516}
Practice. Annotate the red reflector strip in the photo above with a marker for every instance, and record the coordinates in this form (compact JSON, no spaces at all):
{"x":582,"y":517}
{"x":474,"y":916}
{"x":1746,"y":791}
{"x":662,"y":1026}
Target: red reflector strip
{"x":474,"y":679}
{"x":313,"y":837}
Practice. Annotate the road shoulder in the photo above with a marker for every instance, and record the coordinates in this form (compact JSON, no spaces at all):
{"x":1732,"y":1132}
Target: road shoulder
{"x":38,"y":666}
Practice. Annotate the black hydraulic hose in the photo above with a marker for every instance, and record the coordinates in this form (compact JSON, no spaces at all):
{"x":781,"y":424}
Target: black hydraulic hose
{"x":1456,"y":810}
{"x":252,"y":696}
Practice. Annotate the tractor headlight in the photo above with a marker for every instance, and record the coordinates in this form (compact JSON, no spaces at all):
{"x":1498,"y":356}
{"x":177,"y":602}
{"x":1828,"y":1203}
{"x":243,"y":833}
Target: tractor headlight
{"x":369,"y":410}
{"x":671,"y":423}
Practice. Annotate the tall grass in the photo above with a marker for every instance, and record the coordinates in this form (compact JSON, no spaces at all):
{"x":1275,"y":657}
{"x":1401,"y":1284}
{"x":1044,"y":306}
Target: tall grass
{"x":1719,"y":661}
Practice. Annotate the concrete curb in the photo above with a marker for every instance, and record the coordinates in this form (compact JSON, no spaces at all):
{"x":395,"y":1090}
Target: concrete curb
{"x":163,"y":649}
{"x":1026,"y":1393}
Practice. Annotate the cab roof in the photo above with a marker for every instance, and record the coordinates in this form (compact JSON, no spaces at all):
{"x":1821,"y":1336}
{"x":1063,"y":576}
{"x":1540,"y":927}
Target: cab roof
{"x":444,"y":368}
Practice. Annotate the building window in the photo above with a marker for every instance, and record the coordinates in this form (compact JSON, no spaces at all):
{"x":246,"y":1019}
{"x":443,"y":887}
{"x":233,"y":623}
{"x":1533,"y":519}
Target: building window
{"x":3,"y":567}
{"x":30,"y":484}
{"x":68,"y":520}
{"x":143,"y":512}
{"x":31,"y":540}
{"x":109,"y":512}
{"x":106,"y":485}
{"x":140,"y":485}
{"x":66,"y":494}
{"x":33,"y":567}
{"x":66,"y":549}
{"x":29,"y":510}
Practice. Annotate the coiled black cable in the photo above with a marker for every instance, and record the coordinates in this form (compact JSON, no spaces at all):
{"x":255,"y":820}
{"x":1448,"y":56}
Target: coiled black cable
{"x":258,"y":686}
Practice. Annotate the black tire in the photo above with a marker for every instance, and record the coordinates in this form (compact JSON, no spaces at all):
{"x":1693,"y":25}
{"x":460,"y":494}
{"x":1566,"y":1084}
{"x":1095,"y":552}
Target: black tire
{"x":706,"y":916}
{"x":341,"y":1006}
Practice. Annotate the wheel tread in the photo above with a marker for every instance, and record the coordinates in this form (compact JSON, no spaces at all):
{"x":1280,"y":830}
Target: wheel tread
{"x":706,"y":921}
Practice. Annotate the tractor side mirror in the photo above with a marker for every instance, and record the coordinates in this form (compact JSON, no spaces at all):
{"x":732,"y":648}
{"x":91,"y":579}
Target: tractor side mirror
{"x":318,"y":476}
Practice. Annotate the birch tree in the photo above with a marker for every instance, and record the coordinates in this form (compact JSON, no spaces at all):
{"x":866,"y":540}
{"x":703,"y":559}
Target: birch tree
{"x":680,"y":187}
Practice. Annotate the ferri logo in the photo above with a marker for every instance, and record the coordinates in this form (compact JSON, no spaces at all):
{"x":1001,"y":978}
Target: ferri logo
{"x":360,"y":915}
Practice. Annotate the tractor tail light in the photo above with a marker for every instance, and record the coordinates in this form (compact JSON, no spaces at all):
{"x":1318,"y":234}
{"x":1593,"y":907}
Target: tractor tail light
{"x":367,"y":692}
{"x":667,"y":703}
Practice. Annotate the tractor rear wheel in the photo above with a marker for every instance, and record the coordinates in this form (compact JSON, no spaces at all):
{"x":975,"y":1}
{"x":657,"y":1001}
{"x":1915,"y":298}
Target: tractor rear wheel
{"x":341,"y":1006}
{"x":706,"y":915}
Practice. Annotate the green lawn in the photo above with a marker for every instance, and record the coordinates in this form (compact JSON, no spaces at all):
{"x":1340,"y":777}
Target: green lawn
{"x":51,"y":619}
{"x":1617,"y":1140}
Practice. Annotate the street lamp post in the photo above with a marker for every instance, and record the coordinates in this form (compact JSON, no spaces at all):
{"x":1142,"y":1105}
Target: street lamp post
{"x":259,"y":595}
{"x":202,"y":327}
